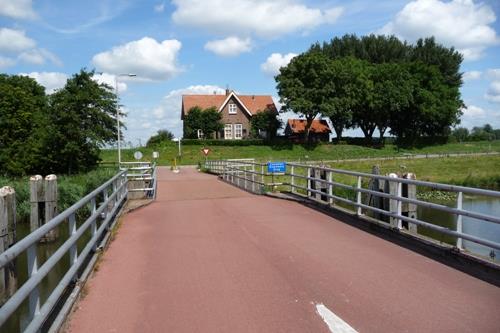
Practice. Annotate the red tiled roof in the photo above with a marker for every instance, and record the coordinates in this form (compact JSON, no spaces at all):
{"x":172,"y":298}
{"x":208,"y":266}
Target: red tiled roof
{"x":299,"y":126}
{"x":254,"y":103}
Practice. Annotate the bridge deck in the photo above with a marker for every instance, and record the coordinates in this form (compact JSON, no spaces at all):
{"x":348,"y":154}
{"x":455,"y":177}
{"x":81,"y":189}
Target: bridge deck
{"x":207,"y":257}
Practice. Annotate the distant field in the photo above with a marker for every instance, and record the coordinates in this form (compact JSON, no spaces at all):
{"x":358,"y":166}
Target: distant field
{"x":192,"y":154}
{"x":477,"y":171}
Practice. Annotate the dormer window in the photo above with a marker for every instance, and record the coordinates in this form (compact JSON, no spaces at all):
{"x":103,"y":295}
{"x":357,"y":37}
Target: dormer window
{"x":232,"y":108}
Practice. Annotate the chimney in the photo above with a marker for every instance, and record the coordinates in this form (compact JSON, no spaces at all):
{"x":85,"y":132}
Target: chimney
{"x":227,"y":91}
{"x":253,"y":96}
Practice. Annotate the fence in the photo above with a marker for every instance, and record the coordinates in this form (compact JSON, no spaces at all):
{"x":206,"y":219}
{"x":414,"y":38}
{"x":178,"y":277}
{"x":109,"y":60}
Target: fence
{"x":302,"y":180}
{"x":142,"y":180}
{"x":112,"y":193}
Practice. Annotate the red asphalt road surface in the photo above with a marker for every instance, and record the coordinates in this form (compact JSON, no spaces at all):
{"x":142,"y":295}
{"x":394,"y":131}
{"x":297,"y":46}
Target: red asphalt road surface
{"x":208,"y":257}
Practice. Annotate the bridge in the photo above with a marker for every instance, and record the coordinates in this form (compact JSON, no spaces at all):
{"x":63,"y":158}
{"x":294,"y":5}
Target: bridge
{"x":207,"y":256}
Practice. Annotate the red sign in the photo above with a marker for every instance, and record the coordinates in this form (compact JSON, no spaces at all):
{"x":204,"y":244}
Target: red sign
{"x":205,"y":151}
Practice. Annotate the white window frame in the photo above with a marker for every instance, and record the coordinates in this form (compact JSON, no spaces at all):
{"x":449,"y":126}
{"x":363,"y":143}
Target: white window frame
{"x":232,"y":109}
{"x":228,"y":128}
{"x":238,"y":131}
{"x":199,"y":132}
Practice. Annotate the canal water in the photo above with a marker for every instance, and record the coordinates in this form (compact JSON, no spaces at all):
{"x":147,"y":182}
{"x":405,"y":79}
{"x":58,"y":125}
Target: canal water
{"x":19,"y":320}
{"x":471,"y":226}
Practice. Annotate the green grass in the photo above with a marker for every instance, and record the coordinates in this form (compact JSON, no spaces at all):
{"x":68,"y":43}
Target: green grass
{"x":479,"y":171}
{"x":71,"y":189}
{"x":191,"y":154}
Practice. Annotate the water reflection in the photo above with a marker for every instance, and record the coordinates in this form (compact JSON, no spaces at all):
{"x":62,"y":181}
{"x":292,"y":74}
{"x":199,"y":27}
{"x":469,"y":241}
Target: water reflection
{"x":483,"y":229}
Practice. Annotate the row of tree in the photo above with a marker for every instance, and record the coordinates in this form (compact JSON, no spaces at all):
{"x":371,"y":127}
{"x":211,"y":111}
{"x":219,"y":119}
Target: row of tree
{"x":478,"y":133}
{"x":57,"y":133}
{"x":376,"y":82}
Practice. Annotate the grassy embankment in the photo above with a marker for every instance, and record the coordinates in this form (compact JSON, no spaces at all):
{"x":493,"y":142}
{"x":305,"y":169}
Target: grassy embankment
{"x":483,"y":171}
{"x":71,"y":189}
{"x":191,"y":154}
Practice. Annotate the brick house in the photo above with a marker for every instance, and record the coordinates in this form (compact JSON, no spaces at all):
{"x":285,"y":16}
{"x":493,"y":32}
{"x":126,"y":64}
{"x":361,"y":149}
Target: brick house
{"x":237,"y":111}
{"x":295,"y":130}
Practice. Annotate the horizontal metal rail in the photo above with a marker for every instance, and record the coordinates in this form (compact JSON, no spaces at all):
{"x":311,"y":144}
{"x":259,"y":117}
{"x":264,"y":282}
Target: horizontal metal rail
{"x":232,"y":172}
{"x":38,"y":313}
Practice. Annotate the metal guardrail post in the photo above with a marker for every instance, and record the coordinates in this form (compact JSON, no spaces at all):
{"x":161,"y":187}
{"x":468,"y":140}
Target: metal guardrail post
{"x":253,"y":177}
{"x":262,"y":173}
{"x":34,"y":296}
{"x":358,"y":197}
{"x":400,"y":205}
{"x":308,"y":181}
{"x":73,"y":251}
{"x":459,"y":220}
{"x":330,"y":188}
{"x":292,"y":179}
{"x":93,"y":228}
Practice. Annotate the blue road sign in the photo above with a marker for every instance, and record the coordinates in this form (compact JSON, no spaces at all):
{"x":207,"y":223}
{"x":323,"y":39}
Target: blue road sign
{"x":276,"y":167}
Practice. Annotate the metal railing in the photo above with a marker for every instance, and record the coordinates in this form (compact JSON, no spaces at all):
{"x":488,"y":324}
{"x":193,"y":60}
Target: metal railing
{"x":299,"y":179}
{"x":144,"y":172}
{"x":113,"y":193}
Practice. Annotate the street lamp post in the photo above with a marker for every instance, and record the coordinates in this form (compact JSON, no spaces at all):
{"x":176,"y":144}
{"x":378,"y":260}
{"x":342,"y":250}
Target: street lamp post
{"x":118,"y":114}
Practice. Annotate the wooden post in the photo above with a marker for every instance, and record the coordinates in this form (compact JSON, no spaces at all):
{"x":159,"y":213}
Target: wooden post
{"x":410,"y":191}
{"x":391,"y":187}
{"x":7,"y":239}
{"x":317,"y":184}
{"x":330,"y":188}
{"x":37,"y":199}
{"x":50,"y":187}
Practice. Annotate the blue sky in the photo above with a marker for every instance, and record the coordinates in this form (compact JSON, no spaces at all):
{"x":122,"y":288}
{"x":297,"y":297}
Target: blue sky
{"x":197,"y":46}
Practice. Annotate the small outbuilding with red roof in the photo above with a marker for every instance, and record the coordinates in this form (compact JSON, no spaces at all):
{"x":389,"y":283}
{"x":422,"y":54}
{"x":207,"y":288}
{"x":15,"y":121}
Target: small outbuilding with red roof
{"x":295,"y":130}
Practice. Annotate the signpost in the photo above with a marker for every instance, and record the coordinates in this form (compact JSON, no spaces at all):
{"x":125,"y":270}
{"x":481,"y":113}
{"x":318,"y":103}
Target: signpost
{"x":276,"y":167}
{"x":205,"y":152}
{"x":137,"y":155}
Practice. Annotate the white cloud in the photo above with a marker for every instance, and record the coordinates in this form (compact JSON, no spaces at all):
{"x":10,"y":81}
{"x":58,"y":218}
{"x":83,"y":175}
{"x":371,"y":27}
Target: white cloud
{"x":159,"y":8}
{"x":167,"y":115}
{"x":472,"y":111}
{"x":39,"y":57}
{"x":458,"y":23}
{"x":109,"y":79}
{"x":275,"y":61}
{"x":230,"y":46}
{"x":14,"y":41}
{"x":19,"y":9}
{"x":493,"y":93}
{"x":264,"y":18}
{"x":471,"y":75}
{"x":149,"y":59}
{"x":50,"y":80}
{"x":6,"y":62}
{"x":493,"y":73}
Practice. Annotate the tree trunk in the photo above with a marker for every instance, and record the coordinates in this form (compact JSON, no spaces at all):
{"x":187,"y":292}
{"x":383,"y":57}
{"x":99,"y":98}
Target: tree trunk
{"x":338,"y":132}
{"x":382,"y":132}
{"x":308,"y":129}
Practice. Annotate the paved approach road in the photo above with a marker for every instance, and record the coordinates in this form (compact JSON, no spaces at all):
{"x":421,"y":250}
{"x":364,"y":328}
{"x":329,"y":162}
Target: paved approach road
{"x":208,"y":257}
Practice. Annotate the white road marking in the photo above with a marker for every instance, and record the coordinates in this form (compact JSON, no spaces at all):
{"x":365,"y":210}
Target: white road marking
{"x":334,"y":322}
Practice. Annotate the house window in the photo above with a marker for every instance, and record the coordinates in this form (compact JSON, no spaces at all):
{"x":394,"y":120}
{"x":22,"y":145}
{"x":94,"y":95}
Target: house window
{"x":238,"y":131}
{"x":232,"y":108}
{"x":200,"y":134}
{"x":228,"y":131}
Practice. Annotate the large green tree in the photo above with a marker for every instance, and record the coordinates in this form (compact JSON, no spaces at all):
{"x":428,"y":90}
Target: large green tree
{"x":23,"y":105}
{"x":304,"y":86}
{"x":82,"y":120}
{"x":160,"y":137}
{"x":265,"y":121}
{"x":207,"y":120}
